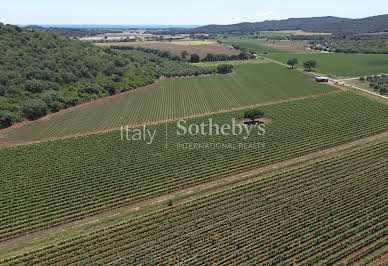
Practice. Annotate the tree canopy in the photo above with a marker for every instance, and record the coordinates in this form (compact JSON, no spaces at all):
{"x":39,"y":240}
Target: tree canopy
{"x":254,"y":114}
{"x":309,"y":64}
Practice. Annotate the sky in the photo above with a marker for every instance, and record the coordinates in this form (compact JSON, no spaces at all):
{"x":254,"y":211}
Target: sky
{"x":179,"y":12}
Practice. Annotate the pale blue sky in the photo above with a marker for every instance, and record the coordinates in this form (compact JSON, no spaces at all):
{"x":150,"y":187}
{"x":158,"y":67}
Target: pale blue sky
{"x":182,"y":12}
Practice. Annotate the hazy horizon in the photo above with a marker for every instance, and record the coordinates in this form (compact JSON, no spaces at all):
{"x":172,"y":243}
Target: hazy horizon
{"x":174,"y":12}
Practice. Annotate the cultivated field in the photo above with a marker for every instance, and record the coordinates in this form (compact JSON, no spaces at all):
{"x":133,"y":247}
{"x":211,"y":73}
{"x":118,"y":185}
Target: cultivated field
{"x":175,"y":98}
{"x":201,"y":48}
{"x":255,"y":45}
{"x":77,"y":177}
{"x":290,"y":46}
{"x":333,"y":211}
{"x":345,"y":65}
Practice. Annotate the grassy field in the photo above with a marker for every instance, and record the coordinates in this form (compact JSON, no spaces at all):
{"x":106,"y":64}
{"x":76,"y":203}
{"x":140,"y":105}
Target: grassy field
{"x":255,"y":45}
{"x":53,"y":182}
{"x":175,"y":98}
{"x":344,"y":65}
{"x":340,"y":203}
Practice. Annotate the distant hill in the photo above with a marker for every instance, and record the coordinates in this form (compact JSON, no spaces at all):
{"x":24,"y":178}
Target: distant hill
{"x":317,"y":24}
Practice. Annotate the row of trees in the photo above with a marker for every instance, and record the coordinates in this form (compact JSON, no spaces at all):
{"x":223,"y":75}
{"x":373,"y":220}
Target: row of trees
{"x":308,"y":65}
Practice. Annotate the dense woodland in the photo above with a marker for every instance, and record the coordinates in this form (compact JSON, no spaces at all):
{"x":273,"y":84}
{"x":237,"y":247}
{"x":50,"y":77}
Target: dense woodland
{"x":317,"y":24}
{"x":42,"y":73}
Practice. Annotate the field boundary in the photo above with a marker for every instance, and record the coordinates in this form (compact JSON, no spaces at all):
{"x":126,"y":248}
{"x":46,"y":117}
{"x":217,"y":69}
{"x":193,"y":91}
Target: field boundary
{"x":90,"y":223}
{"x":19,"y":143}
{"x":337,"y":81}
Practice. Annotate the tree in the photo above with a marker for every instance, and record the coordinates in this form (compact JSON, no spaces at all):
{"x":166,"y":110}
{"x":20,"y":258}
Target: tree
{"x":224,"y":68}
{"x":176,"y":58}
{"x":170,"y":203}
{"x":110,"y":87}
{"x":209,"y":57}
{"x":52,"y":97}
{"x":34,"y":109}
{"x":194,"y":58}
{"x":310,"y":64}
{"x":5,"y":119}
{"x":184,"y":54}
{"x":253,"y":114}
{"x":292,"y":62}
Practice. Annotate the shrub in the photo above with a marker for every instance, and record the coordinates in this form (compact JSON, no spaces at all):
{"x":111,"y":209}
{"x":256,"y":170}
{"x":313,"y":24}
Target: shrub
{"x":224,"y":68}
{"x":34,"y":109}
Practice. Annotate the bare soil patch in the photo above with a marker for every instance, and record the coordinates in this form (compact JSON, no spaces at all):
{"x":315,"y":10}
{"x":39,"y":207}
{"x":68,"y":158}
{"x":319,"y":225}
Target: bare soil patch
{"x":200,"y":49}
{"x":337,"y":86}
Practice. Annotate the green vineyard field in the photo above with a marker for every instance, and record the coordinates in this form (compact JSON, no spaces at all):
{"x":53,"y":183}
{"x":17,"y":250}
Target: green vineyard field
{"x":175,"y":98}
{"x":53,"y":182}
{"x":332,"y":211}
{"x":345,"y":65}
{"x":254,"y":45}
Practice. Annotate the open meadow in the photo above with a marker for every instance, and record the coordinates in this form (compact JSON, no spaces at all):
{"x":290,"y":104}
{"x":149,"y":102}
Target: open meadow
{"x":343,"y":65}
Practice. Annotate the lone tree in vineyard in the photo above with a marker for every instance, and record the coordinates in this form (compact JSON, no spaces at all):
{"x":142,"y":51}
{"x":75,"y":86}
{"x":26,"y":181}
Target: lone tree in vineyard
{"x":253,"y":115}
{"x":292,"y":62}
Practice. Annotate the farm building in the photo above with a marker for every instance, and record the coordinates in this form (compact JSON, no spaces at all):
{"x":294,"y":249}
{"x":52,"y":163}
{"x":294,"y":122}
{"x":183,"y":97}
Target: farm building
{"x":321,"y":79}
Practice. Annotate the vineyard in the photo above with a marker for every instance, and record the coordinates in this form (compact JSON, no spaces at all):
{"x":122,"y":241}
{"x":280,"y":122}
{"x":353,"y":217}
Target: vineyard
{"x":333,"y":211}
{"x":175,"y":98}
{"x":256,"y":46}
{"x":345,"y":65}
{"x":80,"y":176}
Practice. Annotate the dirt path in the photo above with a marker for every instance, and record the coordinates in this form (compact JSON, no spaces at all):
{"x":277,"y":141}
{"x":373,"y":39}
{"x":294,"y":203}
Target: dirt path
{"x":379,"y":261}
{"x":18,"y":143}
{"x":120,"y":214}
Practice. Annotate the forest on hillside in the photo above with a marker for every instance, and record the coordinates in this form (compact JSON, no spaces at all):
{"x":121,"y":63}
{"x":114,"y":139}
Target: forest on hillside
{"x":45,"y":72}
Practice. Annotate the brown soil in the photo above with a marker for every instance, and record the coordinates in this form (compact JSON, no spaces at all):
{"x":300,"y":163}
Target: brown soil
{"x":337,"y":86}
{"x":380,"y":260}
{"x":18,"y":143}
{"x":201,"y":49}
